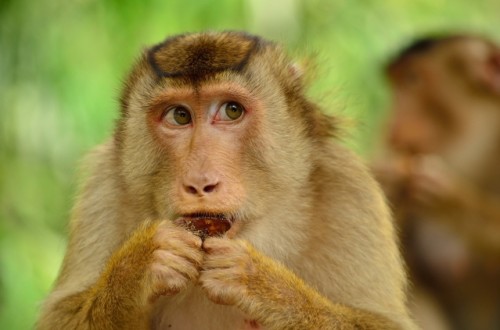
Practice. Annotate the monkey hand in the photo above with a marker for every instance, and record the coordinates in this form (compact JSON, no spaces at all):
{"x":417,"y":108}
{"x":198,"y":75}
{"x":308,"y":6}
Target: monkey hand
{"x":392,"y":174}
{"x":234,"y":273}
{"x":158,"y":259}
{"x":226,"y":270}
{"x":433,"y":185}
{"x":175,"y":262}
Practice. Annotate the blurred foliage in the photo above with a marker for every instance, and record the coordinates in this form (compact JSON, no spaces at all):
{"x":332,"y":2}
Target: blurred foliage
{"x":61,"y":66}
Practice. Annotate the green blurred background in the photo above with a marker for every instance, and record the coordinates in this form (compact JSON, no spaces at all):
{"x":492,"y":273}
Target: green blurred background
{"x":61,"y":67}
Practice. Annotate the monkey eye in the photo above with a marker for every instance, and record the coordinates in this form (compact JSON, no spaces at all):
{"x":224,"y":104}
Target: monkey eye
{"x":230,"y":111}
{"x":178,"y":116}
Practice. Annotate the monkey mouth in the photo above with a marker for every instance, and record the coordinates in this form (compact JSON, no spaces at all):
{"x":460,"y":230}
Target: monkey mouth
{"x":206,"y":224}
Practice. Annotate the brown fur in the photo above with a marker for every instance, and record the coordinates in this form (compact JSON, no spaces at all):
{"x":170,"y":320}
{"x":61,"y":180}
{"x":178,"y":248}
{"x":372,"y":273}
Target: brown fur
{"x":313,"y":246}
{"x":196,"y":56}
{"x":440,"y":171}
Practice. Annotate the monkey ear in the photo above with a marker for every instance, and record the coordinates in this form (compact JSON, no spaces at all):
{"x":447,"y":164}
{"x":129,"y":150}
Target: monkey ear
{"x":493,"y":80}
{"x":488,"y":74}
{"x":303,"y":70}
{"x":296,"y":71}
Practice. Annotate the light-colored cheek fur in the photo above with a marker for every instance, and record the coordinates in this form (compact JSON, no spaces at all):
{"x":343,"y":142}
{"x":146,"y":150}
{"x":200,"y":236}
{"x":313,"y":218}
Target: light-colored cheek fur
{"x":284,"y":159}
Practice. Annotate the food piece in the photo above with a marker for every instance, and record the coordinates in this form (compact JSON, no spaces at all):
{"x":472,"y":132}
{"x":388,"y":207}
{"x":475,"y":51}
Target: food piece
{"x":205,"y":226}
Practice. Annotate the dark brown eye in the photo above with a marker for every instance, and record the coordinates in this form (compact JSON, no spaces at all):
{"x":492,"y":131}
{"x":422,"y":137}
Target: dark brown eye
{"x":230,"y":111}
{"x":178,"y":116}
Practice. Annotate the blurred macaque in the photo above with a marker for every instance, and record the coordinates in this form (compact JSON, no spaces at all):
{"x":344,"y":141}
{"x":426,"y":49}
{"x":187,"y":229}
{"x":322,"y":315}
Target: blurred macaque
{"x":440,"y":169}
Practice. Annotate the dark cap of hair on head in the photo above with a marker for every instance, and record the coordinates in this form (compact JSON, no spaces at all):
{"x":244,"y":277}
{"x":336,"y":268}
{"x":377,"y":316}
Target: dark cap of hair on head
{"x":199,"y":54}
{"x":421,"y":46}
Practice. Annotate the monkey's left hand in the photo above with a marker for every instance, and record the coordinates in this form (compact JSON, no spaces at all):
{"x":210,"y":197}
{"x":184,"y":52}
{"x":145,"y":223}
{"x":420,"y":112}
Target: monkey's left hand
{"x":226,"y":269}
{"x":235,"y":273}
{"x":434,"y":185}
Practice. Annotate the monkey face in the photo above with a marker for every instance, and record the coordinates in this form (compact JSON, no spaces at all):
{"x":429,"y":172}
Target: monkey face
{"x":209,"y":128}
{"x":202,"y":134}
{"x":440,"y":98}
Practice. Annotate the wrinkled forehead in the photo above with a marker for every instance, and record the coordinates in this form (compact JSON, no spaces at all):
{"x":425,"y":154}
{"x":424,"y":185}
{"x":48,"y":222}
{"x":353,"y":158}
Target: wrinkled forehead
{"x":197,"y":56}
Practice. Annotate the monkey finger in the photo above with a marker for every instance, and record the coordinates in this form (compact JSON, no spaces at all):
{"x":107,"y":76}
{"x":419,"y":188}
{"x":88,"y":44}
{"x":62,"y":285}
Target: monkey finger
{"x":177,"y":263}
{"x":221,"y":262}
{"x":423,"y":185}
{"x":167,"y":280}
{"x":221,"y":294}
{"x":192,"y":254}
{"x":232,"y":275}
{"x":216,"y":245}
{"x":222,"y":287}
{"x":422,"y":199}
{"x":240,"y":263}
{"x":166,"y":235}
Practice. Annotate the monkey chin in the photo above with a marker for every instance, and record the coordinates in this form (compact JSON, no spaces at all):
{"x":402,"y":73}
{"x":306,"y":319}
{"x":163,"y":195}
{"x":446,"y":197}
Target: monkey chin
{"x":206,"y":224}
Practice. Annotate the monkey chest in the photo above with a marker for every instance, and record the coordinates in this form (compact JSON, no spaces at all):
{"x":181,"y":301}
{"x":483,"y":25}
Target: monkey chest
{"x":191,"y":310}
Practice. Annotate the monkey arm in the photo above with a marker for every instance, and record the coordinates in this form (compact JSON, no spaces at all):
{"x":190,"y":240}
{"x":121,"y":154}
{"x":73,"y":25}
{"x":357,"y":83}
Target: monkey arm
{"x":92,"y":280}
{"x":292,"y":304}
{"x":158,"y":259}
{"x":82,"y":288}
{"x":115,"y":300}
{"x":237,"y":274}
{"x":472,"y":210}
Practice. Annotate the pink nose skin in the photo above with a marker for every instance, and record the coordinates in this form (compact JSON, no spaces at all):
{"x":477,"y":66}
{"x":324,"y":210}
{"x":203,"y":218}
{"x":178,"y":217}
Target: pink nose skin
{"x":200,"y":185}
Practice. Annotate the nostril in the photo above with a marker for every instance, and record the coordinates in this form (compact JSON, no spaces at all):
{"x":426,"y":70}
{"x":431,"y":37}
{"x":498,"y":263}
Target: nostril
{"x":192,"y":190}
{"x":209,"y":188}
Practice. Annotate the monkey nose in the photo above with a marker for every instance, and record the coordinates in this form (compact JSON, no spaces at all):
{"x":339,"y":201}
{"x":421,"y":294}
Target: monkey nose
{"x":201,"y":187}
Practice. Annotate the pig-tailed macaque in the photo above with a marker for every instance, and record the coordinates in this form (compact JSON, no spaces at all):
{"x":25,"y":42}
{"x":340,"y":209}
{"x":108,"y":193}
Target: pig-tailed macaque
{"x":441,"y":171}
{"x":224,"y":201}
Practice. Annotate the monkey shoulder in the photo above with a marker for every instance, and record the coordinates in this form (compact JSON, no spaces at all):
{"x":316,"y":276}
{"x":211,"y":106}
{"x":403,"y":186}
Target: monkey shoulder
{"x":345,"y":184}
{"x":352,"y":226}
{"x":94,"y":227}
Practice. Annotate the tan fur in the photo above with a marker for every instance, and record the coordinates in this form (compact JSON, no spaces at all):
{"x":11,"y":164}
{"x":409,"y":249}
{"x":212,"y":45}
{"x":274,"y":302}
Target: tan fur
{"x":441,"y":175}
{"x":313,"y":246}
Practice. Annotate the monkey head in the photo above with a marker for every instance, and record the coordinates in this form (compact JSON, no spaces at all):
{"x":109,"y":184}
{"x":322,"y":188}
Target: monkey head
{"x":446,"y":94}
{"x":210,"y":122}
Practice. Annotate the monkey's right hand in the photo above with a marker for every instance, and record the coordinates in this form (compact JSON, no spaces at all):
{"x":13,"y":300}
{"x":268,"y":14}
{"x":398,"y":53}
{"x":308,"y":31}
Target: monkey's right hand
{"x":159,"y":258}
